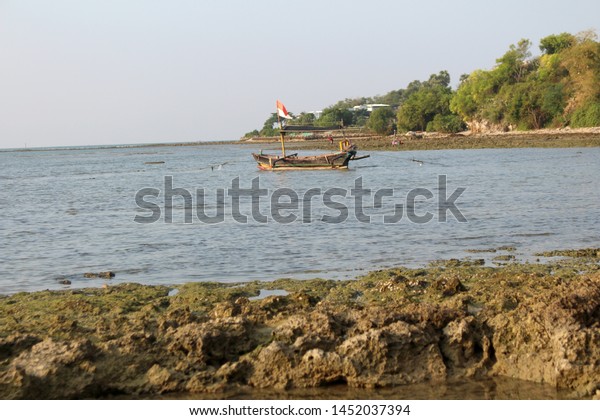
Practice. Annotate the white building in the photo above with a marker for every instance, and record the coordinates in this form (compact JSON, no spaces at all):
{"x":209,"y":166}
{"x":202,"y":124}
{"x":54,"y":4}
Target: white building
{"x":369,"y":107}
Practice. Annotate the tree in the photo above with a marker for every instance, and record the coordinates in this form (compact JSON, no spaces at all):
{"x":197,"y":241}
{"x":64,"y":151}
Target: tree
{"x":466,"y":101}
{"x":587,"y":116}
{"x":306,"y":118}
{"x":360,"y":117}
{"x":382,"y":121}
{"x":440,"y":79}
{"x":335,"y":115}
{"x":428,"y":100}
{"x":531,"y":104}
{"x":250,"y":134}
{"x":393,"y":98}
{"x":520,"y":91}
{"x":450,"y":123}
{"x":268,"y":126}
{"x":351,"y":102}
{"x":582,"y":64}
{"x":514,"y":64}
{"x":554,"y":102}
{"x":553,"y":44}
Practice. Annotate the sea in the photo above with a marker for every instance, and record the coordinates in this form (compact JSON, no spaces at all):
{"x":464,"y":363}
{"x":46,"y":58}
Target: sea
{"x":175,"y":214}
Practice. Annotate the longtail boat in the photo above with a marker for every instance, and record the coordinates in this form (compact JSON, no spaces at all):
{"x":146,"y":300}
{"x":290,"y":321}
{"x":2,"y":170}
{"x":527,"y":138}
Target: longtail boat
{"x":284,"y":162}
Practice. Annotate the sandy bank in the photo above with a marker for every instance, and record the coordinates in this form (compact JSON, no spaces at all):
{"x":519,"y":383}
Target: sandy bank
{"x":450,"y":321}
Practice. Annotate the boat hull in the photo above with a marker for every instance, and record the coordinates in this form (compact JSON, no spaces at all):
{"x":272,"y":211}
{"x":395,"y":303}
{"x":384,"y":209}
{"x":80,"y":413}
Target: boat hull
{"x":293,"y":162}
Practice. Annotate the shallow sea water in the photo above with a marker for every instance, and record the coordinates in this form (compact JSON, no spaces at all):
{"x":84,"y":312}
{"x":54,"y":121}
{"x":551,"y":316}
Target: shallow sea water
{"x":67,"y":212}
{"x":474,"y":389}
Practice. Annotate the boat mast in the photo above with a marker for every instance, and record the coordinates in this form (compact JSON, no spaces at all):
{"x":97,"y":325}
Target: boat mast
{"x":281,"y":134}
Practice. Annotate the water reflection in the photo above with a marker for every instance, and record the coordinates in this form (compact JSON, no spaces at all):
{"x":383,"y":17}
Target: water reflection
{"x":480,"y":389}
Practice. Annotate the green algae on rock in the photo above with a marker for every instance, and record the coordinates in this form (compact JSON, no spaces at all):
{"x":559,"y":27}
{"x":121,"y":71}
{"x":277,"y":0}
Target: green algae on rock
{"x":450,"y":321}
{"x":575,"y":253}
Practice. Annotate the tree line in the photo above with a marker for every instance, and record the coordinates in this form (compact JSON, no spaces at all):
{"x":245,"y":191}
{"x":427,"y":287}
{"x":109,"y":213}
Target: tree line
{"x":560,"y":87}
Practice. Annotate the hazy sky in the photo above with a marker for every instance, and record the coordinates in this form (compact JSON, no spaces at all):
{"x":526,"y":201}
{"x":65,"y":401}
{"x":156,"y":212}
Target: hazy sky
{"x":81,"y":72}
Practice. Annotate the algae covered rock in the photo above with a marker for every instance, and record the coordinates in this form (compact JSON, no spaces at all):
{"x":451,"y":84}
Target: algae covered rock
{"x":51,"y":369}
{"x":446,"y":322}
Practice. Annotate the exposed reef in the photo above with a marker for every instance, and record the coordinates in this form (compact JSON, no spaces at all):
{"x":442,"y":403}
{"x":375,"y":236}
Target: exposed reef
{"x":449,"y":321}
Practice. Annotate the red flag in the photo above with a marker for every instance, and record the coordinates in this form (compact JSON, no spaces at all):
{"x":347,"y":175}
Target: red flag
{"x":282,"y":111}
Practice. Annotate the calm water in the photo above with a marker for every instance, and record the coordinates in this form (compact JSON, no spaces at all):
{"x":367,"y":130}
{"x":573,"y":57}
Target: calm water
{"x":466,"y":389}
{"x":67,"y":212}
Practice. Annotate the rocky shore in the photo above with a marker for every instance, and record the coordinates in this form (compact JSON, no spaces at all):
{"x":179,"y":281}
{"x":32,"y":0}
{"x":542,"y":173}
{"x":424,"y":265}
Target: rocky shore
{"x":446,"y":323}
{"x":546,"y":138}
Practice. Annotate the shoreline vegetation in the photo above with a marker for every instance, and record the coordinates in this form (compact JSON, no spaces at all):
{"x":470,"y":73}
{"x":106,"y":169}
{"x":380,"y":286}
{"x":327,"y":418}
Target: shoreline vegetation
{"x":450,"y":322}
{"x":559,"y":88}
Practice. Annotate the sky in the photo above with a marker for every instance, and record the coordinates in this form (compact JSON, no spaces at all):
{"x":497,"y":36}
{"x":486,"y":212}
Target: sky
{"x":87,"y":72}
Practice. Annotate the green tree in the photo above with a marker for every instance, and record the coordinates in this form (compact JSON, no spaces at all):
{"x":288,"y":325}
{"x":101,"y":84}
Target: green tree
{"x":428,"y":100}
{"x":468,"y":99}
{"x":250,"y":134}
{"x":335,"y":115}
{"x":514,"y":64}
{"x":393,"y":98}
{"x":306,"y":118}
{"x":554,"y":102}
{"x":587,"y":116}
{"x":360,"y":117}
{"x":382,"y":121}
{"x":553,"y":44}
{"x":450,"y":123}
{"x":440,"y":79}
{"x":521,"y":91}
{"x":582,"y":64}
{"x":530,"y":104}
{"x":268,"y":126}
{"x":351,"y":102}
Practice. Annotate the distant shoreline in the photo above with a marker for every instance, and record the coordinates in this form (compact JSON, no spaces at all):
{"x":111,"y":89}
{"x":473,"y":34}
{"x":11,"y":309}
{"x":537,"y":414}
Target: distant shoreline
{"x":118,"y":146}
{"x":546,"y":138}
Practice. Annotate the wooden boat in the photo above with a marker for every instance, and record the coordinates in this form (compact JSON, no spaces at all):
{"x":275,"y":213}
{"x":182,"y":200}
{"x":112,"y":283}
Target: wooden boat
{"x":294,"y":162}
{"x":285,"y":162}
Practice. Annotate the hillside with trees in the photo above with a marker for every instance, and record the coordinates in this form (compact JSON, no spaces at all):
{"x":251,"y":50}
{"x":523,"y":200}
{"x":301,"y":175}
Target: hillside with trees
{"x":561,"y":87}
{"x":558,"y":88}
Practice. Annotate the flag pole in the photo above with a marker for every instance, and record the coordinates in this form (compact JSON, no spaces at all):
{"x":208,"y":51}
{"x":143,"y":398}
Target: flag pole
{"x":281,"y":134}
